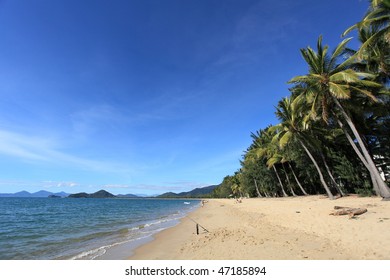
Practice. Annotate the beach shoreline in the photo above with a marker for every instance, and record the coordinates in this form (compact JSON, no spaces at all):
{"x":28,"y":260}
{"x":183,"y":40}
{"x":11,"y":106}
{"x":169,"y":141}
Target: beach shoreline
{"x":293,"y":228}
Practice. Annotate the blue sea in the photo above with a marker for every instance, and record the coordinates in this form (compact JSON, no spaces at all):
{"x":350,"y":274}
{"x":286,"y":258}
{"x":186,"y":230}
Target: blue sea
{"x":71,"y":228}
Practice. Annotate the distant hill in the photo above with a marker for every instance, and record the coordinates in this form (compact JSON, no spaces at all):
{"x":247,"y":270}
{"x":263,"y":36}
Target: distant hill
{"x":98,"y":194}
{"x":168,"y":194}
{"x":23,"y":194}
{"x":41,"y":194}
{"x":62,"y":194}
{"x":36,"y":194}
{"x":195,"y":193}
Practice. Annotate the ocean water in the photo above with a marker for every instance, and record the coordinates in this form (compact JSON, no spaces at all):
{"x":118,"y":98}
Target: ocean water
{"x":65,"y":228}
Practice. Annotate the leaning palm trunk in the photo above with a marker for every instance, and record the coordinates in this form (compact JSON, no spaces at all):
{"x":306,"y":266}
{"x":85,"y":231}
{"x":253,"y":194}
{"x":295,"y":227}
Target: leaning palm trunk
{"x":257,"y":189}
{"x":384,"y":190}
{"x":288,"y":181}
{"x":280,"y":181}
{"x":331,"y":175}
{"x":296,"y":180}
{"x":361,"y":157}
{"x":330,"y":195}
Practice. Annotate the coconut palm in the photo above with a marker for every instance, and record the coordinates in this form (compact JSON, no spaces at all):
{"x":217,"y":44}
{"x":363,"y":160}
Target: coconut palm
{"x":275,"y":157}
{"x":296,"y":179}
{"x":263,"y":147}
{"x":375,"y":57}
{"x":377,"y":18}
{"x":255,"y":172}
{"x":328,"y":84}
{"x":291,"y":128}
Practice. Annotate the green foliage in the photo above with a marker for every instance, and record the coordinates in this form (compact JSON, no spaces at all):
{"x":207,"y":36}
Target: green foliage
{"x":224,"y":190}
{"x":256,"y":170}
{"x":364,"y":190}
{"x":343,"y":90}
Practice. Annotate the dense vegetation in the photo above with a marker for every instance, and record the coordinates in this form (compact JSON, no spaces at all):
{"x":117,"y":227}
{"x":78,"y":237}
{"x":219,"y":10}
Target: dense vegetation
{"x":204,"y":192}
{"x":333,"y":135}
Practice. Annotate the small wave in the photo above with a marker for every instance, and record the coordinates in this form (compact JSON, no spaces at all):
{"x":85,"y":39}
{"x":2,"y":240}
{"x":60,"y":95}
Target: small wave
{"x":102,"y":250}
{"x":98,"y":252}
{"x":153,"y":223}
{"x":133,"y":234}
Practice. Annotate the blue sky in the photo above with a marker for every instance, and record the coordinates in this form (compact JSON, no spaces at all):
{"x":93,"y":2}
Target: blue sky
{"x":146,"y":96}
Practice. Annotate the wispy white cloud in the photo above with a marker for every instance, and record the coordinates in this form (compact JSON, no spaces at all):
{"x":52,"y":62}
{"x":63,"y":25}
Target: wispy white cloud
{"x":23,"y":146}
{"x":39,"y":149}
{"x":61,"y":184}
{"x":38,"y":185}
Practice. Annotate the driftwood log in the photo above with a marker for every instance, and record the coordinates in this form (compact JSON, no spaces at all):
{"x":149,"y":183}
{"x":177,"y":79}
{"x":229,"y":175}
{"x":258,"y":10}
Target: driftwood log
{"x":351,"y":212}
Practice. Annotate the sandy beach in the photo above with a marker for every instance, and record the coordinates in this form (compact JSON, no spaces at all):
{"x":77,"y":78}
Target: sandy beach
{"x":291,"y":228}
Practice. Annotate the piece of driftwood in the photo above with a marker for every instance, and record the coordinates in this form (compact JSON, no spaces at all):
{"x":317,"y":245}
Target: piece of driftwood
{"x":351,"y":212}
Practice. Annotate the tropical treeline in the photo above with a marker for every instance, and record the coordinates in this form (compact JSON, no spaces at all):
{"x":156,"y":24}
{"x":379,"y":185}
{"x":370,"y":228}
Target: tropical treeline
{"x":333,"y":135}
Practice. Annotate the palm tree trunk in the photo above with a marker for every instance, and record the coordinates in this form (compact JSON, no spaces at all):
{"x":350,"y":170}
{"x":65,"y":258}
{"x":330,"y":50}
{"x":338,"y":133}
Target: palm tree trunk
{"x":384,"y":190}
{"x":257,"y":189}
{"x":331,"y":175}
{"x":280,"y":181}
{"x":361,"y":157}
{"x":288,"y":181}
{"x":296,"y":180}
{"x":330,"y":195}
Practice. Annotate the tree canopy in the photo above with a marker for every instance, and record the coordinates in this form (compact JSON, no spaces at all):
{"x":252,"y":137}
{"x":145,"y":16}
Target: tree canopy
{"x":333,"y":135}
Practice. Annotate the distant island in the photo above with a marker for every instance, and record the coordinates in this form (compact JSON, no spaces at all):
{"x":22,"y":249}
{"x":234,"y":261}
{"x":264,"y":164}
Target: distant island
{"x":98,"y":194}
{"x":195,"y":193}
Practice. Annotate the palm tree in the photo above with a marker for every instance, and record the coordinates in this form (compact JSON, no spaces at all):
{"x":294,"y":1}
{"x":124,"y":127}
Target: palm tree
{"x":296,"y":179}
{"x":288,"y":179}
{"x":375,"y":58}
{"x":263,"y":147}
{"x":327,"y":83}
{"x":235,"y":184}
{"x":254,"y":168}
{"x":378,"y":19}
{"x":275,"y":158}
{"x":257,"y":189}
{"x":290,"y":129}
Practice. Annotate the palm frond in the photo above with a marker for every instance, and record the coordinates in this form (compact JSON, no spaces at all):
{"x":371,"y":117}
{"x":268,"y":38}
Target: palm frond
{"x":366,"y":93}
{"x":366,"y":75}
{"x":355,"y":26}
{"x":285,"y":139}
{"x":339,"y":91}
{"x":304,"y":79}
{"x":347,"y":76}
{"x":339,"y":50}
{"x":273,"y":160}
{"x":371,"y":40}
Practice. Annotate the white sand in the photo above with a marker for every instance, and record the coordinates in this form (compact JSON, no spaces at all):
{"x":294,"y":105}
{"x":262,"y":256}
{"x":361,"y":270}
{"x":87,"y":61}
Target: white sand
{"x":277,"y":228}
